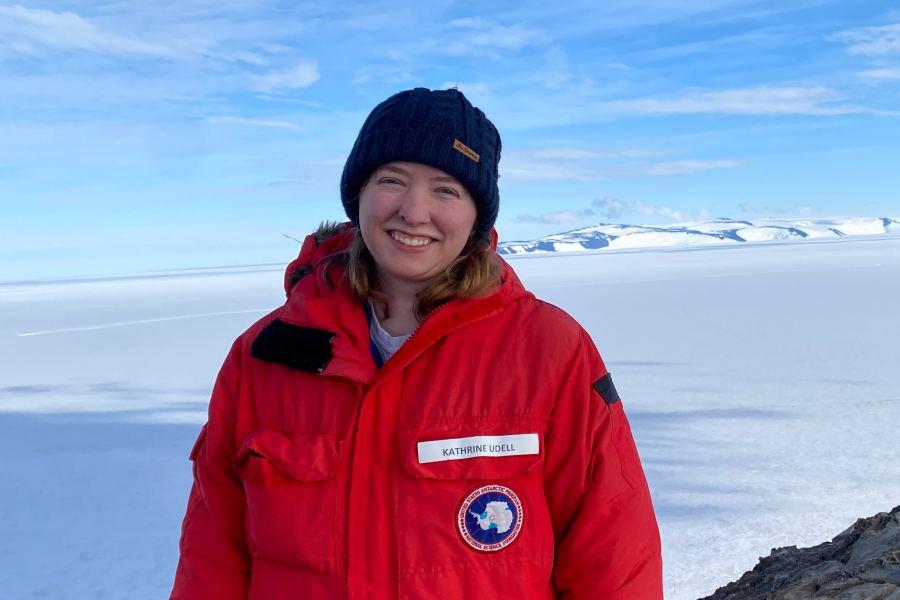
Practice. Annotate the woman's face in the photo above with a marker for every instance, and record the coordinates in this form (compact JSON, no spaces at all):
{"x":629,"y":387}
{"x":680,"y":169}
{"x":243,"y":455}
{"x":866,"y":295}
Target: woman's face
{"x":415,"y":220}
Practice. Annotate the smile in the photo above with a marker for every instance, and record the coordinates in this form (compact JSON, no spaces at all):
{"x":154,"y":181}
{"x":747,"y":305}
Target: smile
{"x":408,"y":241}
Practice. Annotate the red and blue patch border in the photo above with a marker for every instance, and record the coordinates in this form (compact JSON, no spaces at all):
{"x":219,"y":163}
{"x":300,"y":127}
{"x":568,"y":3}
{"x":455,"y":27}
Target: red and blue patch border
{"x":502,"y":493}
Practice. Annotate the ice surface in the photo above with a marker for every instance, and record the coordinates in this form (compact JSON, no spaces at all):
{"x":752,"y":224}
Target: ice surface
{"x":761,"y":381}
{"x":719,"y":231}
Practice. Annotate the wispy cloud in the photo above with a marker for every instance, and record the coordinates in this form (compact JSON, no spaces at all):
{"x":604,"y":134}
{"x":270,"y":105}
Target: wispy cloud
{"x":763,"y":100}
{"x":760,"y":210}
{"x":871,"y":41}
{"x":673,"y":168}
{"x":613,"y":208}
{"x":302,"y":75}
{"x":582,"y":164}
{"x":609,"y":207}
{"x":253,"y":122}
{"x":478,"y":37}
{"x":161,"y":105}
{"x":556,"y":217}
{"x":29,"y":30}
{"x":882,"y":73}
{"x":472,"y":22}
{"x":877,"y":44}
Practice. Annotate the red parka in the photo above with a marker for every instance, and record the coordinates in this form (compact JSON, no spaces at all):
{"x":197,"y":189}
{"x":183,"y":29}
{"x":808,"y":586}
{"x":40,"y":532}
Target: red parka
{"x":314,"y":479}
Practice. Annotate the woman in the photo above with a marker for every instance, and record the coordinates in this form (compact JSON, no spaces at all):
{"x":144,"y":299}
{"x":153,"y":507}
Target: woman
{"x":413,"y":423}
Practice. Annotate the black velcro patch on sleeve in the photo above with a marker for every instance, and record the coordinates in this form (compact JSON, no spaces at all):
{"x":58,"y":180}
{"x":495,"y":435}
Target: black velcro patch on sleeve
{"x":604,"y":386}
{"x":299,"y":348}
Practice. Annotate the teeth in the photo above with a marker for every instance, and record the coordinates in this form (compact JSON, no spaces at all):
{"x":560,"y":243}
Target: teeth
{"x":407,"y":241}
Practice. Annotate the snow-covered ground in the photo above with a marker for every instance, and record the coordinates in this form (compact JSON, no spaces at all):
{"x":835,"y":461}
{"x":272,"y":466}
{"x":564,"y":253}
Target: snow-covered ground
{"x":761,"y":381}
{"x":700,"y":233}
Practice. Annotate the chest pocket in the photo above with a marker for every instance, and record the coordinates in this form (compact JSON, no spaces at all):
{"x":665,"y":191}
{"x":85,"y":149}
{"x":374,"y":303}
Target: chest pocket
{"x":436,"y":494}
{"x":290,"y":487}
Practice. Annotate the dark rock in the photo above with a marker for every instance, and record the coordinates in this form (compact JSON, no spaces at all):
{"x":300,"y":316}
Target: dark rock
{"x":862,"y":563}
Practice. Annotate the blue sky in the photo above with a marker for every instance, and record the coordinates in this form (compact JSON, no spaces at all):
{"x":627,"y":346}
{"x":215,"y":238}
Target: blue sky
{"x":140,"y":136}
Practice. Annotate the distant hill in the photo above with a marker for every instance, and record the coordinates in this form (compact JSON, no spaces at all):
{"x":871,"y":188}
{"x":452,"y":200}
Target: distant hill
{"x":719,"y":231}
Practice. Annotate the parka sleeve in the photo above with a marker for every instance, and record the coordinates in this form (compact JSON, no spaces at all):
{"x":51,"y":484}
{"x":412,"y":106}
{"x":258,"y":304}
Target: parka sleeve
{"x":214,"y":561}
{"x":605,"y":532}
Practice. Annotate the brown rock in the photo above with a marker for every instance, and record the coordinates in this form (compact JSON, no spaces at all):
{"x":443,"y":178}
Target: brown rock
{"x":862,"y":563}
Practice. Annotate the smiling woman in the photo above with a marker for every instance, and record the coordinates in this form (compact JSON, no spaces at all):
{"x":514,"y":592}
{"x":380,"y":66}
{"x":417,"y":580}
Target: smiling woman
{"x":417,"y":226}
{"x":413,"y":422}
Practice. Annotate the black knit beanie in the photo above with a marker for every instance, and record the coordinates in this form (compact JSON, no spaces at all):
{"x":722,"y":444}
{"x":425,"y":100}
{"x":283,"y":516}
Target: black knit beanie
{"x":437,"y":128}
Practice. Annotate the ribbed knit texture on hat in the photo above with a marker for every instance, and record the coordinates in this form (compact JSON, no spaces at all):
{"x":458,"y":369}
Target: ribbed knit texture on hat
{"x":421,"y":126}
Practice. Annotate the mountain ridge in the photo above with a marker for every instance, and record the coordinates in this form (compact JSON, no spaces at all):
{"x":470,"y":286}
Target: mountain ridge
{"x":699,"y":233}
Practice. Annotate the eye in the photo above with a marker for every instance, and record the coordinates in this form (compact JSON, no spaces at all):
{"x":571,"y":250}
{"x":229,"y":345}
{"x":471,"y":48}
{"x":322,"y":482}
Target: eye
{"x":389,"y":180}
{"x":450,"y":191}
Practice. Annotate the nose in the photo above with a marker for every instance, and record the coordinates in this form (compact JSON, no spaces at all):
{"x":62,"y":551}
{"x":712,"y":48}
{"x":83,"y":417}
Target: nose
{"x":414,"y":208}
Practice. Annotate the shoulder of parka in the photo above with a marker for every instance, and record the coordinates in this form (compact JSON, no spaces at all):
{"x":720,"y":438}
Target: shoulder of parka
{"x":241,"y":347}
{"x":553,"y":328}
{"x":302,"y":266}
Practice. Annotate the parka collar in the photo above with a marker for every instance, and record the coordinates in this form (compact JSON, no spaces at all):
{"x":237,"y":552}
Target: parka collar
{"x":313,"y":303}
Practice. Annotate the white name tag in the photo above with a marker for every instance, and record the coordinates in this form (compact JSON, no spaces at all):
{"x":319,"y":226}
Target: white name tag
{"x":479,"y":445}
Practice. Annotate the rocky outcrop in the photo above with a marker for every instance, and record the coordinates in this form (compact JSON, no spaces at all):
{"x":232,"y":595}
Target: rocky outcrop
{"x":862,"y":563}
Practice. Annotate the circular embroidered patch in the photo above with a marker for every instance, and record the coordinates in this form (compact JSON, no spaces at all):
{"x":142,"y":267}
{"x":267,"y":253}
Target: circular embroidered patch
{"x":490,"y":518}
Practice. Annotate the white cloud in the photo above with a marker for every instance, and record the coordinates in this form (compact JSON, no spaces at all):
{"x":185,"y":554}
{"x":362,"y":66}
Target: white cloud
{"x":275,"y":48}
{"x":885,"y":73}
{"x":253,"y":58}
{"x":22,"y":27}
{"x":561,"y":162}
{"x":302,"y":75}
{"x":473,"y":22}
{"x":484,"y":39}
{"x":361,"y":78}
{"x":760,"y":210}
{"x":871,"y":41}
{"x":291,"y":101}
{"x":585,"y":164}
{"x":673,"y":168}
{"x":764,"y":100}
{"x":514,"y":37}
{"x":392,"y":19}
{"x":805,"y":209}
{"x":569,"y":153}
{"x":613,"y":208}
{"x":676,"y":215}
{"x":555,"y":217}
{"x":254,"y":122}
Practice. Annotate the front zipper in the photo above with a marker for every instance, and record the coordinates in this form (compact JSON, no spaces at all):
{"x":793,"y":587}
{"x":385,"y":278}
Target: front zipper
{"x":430,"y":314}
{"x":392,"y":462}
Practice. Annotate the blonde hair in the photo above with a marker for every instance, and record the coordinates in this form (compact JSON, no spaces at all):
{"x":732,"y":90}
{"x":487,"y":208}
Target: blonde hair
{"x":474,"y":273}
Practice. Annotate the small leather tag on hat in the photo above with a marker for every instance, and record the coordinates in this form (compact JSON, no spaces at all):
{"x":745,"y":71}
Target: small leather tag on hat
{"x":466,"y":150}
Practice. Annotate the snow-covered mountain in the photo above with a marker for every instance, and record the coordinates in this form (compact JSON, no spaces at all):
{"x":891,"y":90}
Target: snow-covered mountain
{"x":719,"y":231}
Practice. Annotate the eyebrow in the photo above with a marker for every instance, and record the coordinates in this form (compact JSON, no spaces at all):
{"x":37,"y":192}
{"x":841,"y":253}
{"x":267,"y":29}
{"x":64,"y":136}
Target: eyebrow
{"x":447,"y":179}
{"x":441,"y":178}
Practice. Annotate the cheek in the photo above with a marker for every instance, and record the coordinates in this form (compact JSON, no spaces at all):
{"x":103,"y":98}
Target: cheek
{"x":373,"y":210}
{"x":464,"y":220}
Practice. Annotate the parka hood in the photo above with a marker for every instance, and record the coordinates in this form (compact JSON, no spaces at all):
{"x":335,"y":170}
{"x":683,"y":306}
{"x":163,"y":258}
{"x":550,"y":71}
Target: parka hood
{"x":310,"y":254}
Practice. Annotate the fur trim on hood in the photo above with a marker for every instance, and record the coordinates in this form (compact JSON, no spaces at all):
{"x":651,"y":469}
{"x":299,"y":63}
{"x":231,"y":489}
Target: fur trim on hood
{"x":326,"y":230}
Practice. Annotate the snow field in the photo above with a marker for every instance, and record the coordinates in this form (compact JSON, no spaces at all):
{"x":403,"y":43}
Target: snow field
{"x":760,"y":381}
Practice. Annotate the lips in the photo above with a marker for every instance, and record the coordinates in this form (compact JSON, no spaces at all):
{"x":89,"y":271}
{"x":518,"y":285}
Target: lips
{"x":410,"y":240}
